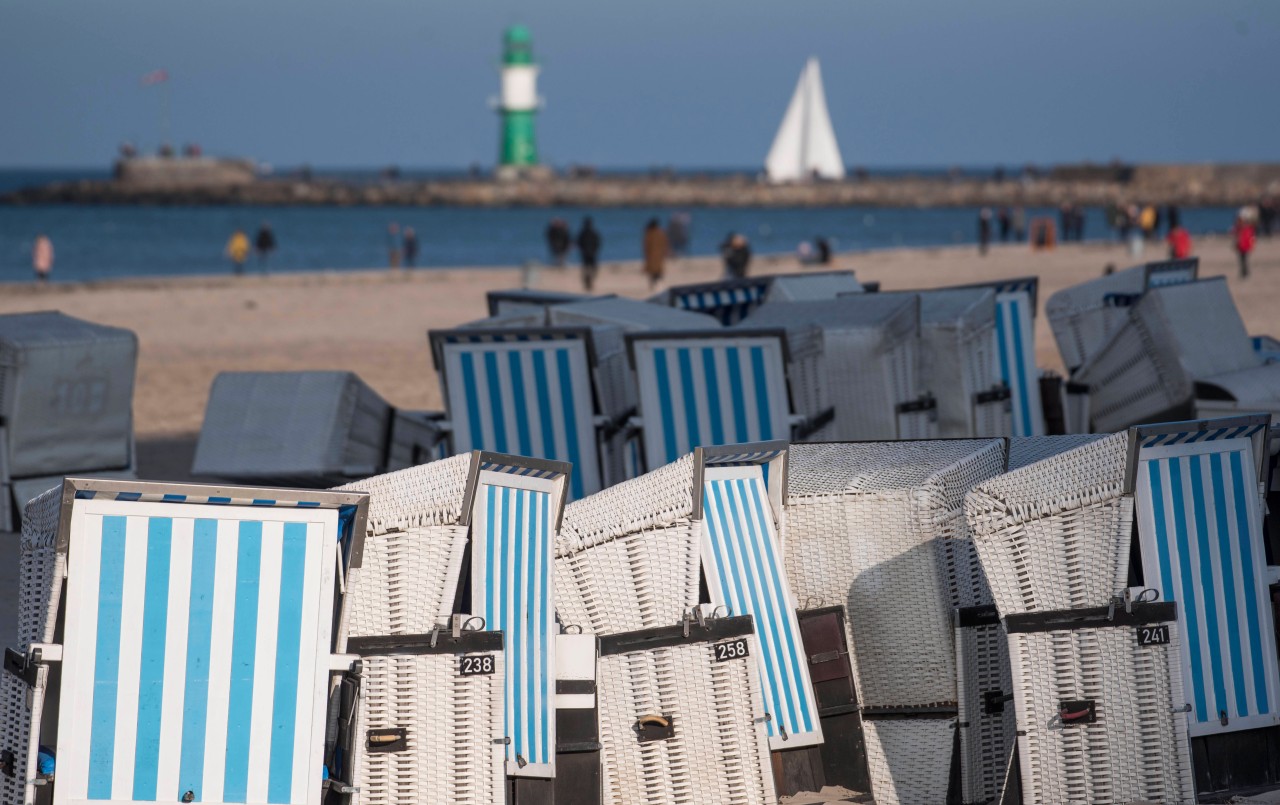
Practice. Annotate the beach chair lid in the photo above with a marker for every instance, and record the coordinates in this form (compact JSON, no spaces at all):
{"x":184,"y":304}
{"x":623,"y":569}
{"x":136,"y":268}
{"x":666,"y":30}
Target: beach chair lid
{"x":52,"y":328}
{"x":531,"y":297}
{"x":1026,"y":450}
{"x":853,"y":468}
{"x":629,"y":314}
{"x":1200,"y":323}
{"x":948,"y":307}
{"x":1255,"y":427}
{"x":1255,"y":386}
{"x":895,"y":316}
{"x":1027,"y":285}
{"x":811,"y":285}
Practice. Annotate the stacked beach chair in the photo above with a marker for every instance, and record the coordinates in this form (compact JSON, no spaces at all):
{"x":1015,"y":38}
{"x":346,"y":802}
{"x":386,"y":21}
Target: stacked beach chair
{"x":529,"y":300}
{"x":552,"y":383}
{"x":66,"y":405}
{"x":877,"y":530}
{"x":178,"y":643}
{"x":732,"y":300}
{"x":309,"y":429}
{"x":870,"y":352}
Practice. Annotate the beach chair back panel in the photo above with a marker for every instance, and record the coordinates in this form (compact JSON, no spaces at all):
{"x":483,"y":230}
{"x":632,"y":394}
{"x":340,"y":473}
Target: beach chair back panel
{"x":730,"y":304}
{"x":1200,"y":523}
{"x":531,"y":398}
{"x":742,"y":559}
{"x":702,"y":392}
{"x":196,"y":654}
{"x":1172,"y":272}
{"x":1016,"y":360}
{"x":512,"y":540}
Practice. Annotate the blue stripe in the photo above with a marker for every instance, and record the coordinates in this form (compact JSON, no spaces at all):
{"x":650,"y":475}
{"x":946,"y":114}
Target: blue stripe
{"x":1242,"y":482}
{"x":725,"y":561}
{"x":498,"y":411}
{"x":155,"y":621}
{"x":733,"y":358}
{"x":713,"y":395}
{"x":244,"y":638}
{"x":1189,"y":606}
{"x":106,"y":666}
{"x":690,"y":398}
{"x":1020,"y":367}
{"x":467,"y":363}
{"x":1228,"y":582}
{"x":1208,"y":584}
{"x":544,"y":406}
{"x":173,"y":498}
{"x":491,"y":592}
{"x":518,"y":628}
{"x":570,"y":422}
{"x":523,"y":434}
{"x":195,"y":700}
{"x":128,"y":495}
{"x":544,"y":655}
{"x":762,"y":393}
{"x":284,"y":708}
{"x":665,"y":405}
{"x":774,"y":571}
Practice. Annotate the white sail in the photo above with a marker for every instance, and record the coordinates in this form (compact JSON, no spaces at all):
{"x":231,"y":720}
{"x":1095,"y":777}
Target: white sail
{"x":805,"y":144}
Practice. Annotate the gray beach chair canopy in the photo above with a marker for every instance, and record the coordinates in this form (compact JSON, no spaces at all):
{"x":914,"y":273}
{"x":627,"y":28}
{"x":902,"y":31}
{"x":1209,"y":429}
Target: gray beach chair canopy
{"x":527,"y":299}
{"x":732,"y":300}
{"x":308,"y":429}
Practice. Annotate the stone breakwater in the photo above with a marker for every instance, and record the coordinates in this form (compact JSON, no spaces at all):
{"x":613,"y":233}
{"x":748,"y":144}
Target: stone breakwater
{"x":1189,"y":185}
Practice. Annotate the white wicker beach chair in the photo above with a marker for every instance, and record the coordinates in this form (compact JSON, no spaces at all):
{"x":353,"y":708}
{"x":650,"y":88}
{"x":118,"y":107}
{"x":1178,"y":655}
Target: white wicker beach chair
{"x":730,"y":386}
{"x":196,"y":629}
{"x":878,"y":529}
{"x":1098,"y":708}
{"x":1084,"y":316}
{"x":732,"y":300}
{"x":1176,"y":335}
{"x":870,"y":355}
{"x":309,"y":429}
{"x":66,"y":405}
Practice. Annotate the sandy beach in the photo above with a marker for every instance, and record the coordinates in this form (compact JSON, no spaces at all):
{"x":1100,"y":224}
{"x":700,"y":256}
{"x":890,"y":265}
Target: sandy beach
{"x":375,"y":322}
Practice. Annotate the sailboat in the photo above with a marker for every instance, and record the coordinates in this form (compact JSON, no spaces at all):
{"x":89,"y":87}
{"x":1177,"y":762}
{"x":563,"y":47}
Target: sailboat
{"x":805,"y":145}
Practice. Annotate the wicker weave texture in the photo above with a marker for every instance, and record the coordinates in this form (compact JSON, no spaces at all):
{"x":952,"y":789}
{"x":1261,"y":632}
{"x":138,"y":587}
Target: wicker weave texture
{"x":1055,"y":534}
{"x":909,"y":759}
{"x":427,"y":495}
{"x":40,"y":587}
{"x":1136,"y":751}
{"x":1024,"y":450}
{"x":880,"y":547}
{"x":1132,"y":377}
{"x":454,"y":729}
{"x":986,"y":739}
{"x":719,"y":753}
{"x":407,"y":582}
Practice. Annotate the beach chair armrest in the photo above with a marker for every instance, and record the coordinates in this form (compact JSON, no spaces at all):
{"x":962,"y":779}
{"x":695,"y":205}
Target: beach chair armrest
{"x":802,"y":427}
{"x":610,"y":427}
{"x":342,"y":663}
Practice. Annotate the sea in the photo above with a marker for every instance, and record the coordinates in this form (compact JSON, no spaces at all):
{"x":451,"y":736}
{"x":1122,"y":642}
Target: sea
{"x":100,"y":242}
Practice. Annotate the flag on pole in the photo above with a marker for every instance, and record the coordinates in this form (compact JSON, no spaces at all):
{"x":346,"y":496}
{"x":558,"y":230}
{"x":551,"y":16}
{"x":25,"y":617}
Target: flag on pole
{"x":155,"y":77}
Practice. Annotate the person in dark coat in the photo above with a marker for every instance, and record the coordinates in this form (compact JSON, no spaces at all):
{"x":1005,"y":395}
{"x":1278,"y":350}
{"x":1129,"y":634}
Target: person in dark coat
{"x":589,"y":252}
{"x":823,"y":248}
{"x":265,"y":243}
{"x":559,"y":239}
{"x":736,"y":252}
{"x":1006,"y":223}
{"x":984,"y":230}
{"x":410,"y":247}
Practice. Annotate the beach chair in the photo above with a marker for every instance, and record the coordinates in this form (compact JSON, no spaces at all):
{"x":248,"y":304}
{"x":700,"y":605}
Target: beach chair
{"x":66,"y":405}
{"x":1266,"y":347}
{"x":732,"y":300}
{"x":1175,"y":336}
{"x":1199,"y":492}
{"x":869,"y":362}
{"x":877,"y":529}
{"x":715,"y":387}
{"x":680,"y":680}
{"x":1084,"y":316}
{"x":1096,"y":686}
{"x":530,"y":300}
{"x":310,"y":429}
{"x":178,"y":643}
{"x":1016,"y":351}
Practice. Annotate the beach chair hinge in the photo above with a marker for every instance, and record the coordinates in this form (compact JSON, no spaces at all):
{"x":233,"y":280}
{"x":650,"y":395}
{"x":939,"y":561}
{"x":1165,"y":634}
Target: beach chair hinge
{"x":25,"y":666}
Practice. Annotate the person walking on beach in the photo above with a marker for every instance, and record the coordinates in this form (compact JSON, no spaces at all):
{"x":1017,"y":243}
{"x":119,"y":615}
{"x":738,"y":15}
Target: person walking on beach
{"x":984,"y":230}
{"x":265,"y":243}
{"x":410,"y":247}
{"x":656,"y":250}
{"x":1006,"y":223}
{"x":1019,"y":224}
{"x":1179,"y":243}
{"x":393,"y":245}
{"x":736,"y":252}
{"x":678,"y":233}
{"x":238,"y":251}
{"x":42,"y":257}
{"x":1244,"y":236}
{"x":559,"y":239}
{"x":589,"y":252}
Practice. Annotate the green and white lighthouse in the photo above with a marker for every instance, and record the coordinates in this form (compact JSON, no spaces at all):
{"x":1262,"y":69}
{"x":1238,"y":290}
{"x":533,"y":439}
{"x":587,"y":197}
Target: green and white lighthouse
{"x":519,"y":103}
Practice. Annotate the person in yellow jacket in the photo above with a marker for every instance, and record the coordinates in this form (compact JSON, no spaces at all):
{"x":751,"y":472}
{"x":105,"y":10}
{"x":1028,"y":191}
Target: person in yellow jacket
{"x":238,"y":250}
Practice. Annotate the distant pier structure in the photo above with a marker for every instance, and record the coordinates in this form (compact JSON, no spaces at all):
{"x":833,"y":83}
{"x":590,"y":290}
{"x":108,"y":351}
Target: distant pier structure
{"x":518,"y":106}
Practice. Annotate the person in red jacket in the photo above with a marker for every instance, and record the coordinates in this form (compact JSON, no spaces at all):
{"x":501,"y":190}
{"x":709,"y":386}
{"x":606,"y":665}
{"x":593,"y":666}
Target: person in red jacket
{"x":1179,"y":243}
{"x":1245,"y":236}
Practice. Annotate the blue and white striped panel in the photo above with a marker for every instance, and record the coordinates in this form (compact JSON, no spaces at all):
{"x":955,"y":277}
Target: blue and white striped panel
{"x":1200,"y":526}
{"x":729,"y":305}
{"x":196,"y":654}
{"x":1194,"y":436}
{"x":744,"y":571}
{"x":702,"y":392}
{"x":1016,"y":361}
{"x":161,"y":497}
{"x":512,"y":588}
{"x":530,"y":398}
{"x":1172,"y":273}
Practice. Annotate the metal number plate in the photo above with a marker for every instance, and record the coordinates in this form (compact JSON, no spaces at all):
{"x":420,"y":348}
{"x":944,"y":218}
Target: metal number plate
{"x":731,"y":650}
{"x":1153,"y":635}
{"x":476,"y":665}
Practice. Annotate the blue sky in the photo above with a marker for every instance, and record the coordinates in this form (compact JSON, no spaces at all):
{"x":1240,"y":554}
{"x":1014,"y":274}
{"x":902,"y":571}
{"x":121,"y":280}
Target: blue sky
{"x":633,"y":84}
